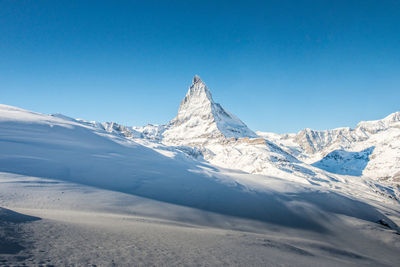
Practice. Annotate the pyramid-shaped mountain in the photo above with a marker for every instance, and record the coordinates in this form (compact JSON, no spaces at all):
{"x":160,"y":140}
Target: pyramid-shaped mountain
{"x":200,"y":118}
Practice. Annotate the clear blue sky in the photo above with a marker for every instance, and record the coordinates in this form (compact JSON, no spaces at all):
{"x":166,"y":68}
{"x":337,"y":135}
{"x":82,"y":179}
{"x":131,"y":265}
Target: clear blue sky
{"x":278,"y":65}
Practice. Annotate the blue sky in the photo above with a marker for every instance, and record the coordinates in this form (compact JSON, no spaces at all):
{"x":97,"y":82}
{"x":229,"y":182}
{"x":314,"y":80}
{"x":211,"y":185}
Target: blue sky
{"x":278,"y":65}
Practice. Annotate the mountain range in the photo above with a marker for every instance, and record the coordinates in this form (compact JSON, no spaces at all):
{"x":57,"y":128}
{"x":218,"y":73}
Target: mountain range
{"x":205,"y":131}
{"x":202,"y":184}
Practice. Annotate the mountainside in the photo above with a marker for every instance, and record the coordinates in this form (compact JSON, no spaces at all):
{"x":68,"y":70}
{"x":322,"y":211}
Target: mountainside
{"x":371,"y":149}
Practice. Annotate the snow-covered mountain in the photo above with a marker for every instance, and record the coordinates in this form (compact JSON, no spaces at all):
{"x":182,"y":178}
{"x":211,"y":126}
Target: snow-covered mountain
{"x":221,"y":138}
{"x":371,"y":149}
{"x":204,"y":130}
{"x":203,"y":182}
{"x":200,"y":119}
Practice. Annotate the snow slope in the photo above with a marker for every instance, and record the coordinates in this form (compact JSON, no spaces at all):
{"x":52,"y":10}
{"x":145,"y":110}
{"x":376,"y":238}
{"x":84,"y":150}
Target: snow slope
{"x":84,"y":225}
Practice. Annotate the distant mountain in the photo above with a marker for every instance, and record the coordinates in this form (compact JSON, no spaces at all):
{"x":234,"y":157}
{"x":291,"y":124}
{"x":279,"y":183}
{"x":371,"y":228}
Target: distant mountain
{"x":371,"y":149}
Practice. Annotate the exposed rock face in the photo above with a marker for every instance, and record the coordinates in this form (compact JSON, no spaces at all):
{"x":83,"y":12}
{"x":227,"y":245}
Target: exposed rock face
{"x":312,"y":141}
{"x":113,"y":127}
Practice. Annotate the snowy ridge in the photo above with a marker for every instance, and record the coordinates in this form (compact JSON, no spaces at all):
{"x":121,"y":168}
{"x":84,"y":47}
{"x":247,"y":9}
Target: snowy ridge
{"x":343,"y":150}
{"x":373,"y":127}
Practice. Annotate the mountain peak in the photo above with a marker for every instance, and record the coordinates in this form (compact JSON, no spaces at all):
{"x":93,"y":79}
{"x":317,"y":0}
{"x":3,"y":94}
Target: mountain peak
{"x":200,"y":117}
{"x":196,"y":79}
{"x":198,"y":100}
{"x":199,"y":89}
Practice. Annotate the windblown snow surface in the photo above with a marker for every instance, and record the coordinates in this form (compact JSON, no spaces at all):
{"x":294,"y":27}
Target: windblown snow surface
{"x":83,"y":193}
